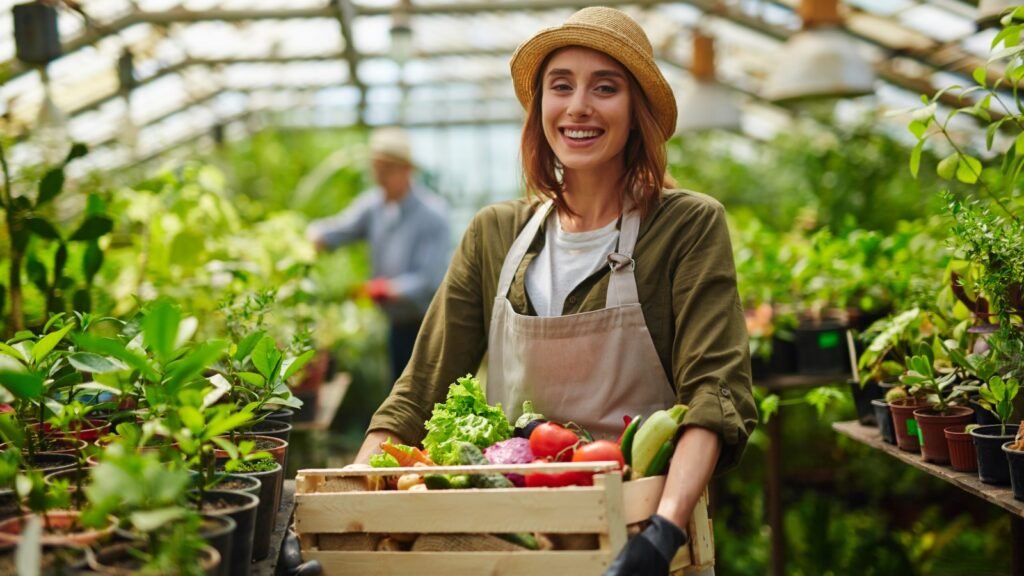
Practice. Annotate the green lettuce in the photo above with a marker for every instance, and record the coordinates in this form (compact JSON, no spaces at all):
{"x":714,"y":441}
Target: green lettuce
{"x":464,"y":417}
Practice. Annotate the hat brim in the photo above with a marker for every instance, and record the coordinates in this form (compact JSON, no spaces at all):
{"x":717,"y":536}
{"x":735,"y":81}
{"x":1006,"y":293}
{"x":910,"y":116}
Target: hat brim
{"x":528,"y":57}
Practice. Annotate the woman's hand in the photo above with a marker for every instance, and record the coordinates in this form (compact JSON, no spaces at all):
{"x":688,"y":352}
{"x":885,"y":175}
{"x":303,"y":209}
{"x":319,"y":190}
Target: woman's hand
{"x":649,"y":553}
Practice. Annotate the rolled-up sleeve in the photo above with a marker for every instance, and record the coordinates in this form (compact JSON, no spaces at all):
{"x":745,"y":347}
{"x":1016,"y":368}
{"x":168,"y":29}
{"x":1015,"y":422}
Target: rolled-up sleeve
{"x":710,"y":356}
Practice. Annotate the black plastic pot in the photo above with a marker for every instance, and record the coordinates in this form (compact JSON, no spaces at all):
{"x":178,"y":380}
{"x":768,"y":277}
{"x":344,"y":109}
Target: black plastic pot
{"x":883,"y":417}
{"x":982,"y":416}
{"x":271,"y":482}
{"x":9,"y":506}
{"x":993,"y":467}
{"x":252,"y":485}
{"x":1015,"y":459}
{"x":863,"y":396}
{"x":219,"y":532}
{"x":49,"y":462}
{"x":105,"y":560}
{"x":821,"y":348}
{"x":282,"y":415}
{"x":241,"y":509}
{"x":783,"y":360}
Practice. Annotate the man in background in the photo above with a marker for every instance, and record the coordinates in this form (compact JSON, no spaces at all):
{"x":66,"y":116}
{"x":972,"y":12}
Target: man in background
{"x":407,"y":227}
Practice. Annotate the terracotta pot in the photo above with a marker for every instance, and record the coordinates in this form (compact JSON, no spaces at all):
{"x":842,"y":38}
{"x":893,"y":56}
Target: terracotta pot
{"x":962,"y":456}
{"x":906,"y":427}
{"x":932,"y":425}
{"x":64,"y":531}
{"x":89,"y":430}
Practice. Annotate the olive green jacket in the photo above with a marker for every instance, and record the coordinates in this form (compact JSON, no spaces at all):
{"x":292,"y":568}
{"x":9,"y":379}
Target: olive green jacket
{"x":686,"y":281}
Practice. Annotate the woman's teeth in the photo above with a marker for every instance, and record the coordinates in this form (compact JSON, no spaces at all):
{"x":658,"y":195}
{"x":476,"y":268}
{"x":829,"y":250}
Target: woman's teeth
{"x":582,"y":134}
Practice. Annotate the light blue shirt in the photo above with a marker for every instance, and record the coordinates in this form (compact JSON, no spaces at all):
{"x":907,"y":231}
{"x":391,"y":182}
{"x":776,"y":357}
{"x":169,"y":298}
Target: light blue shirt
{"x":410,"y":244}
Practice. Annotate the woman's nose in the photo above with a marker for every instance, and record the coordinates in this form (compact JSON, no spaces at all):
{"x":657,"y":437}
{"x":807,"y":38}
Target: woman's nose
{"x":579,"y":105}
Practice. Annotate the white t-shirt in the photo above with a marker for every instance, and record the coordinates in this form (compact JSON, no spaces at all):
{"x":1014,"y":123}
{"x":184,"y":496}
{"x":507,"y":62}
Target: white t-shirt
{"x":567,"y":259}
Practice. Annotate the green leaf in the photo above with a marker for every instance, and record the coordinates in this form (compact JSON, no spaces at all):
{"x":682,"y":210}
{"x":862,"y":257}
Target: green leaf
{"x":194,"y":362}
{"x":50,"y":186}
{"x":227,"y":424}
{"x":769,"y":406}
{"x":94,"y":363}
{"x":98,"y":387}
{"x":160,"y":327}
{"x":293,"y":365}
{"x":227,"y":446}
{"x":917,"y":128}
{"x":192,"y":419}
{"x":36,"y":273}
{"x":247,"y":344}
{"x":92,"y":261}
{"x":42,"y":227}
{"x":23,"y":385}
{"x":77,"y":151}
{"x":92,"y":228}
{"x":947,"y":166}
{"x":47,"y":343}
{"x":150,"y":520}
{"x":252,"y":378}
{"x":5,"y":349}
{"x":266,"y":356}
{"x":968,"y":170}
{"x":915,"y":158}
{"x":980,"y":75}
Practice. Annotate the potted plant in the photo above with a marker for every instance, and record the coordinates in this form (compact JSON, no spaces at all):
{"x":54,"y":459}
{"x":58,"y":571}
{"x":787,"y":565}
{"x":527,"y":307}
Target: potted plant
{"x":902,"y":406}
{"x":940,"y":410}
{"x":962,"y":455}
{"x":996,"y":396}
{"x":889,"y":343}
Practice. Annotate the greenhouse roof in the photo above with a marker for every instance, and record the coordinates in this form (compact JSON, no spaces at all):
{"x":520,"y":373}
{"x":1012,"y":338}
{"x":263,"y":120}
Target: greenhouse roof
{"x":201,"y":65}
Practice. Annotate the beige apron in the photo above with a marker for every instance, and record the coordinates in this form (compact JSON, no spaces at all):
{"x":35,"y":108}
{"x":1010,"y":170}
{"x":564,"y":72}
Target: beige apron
{"x":589,"y":368}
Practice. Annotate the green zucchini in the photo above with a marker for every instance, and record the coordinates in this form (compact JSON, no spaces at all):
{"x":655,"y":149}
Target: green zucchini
{"x":627,"y":439}
{"x":659,"y":465}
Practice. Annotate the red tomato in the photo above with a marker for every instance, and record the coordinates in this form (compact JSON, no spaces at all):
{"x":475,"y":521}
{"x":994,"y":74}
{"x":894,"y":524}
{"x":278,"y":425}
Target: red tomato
{"x":558,"y":479}
{"x":599,"y":451}
{"x":550,"y":440}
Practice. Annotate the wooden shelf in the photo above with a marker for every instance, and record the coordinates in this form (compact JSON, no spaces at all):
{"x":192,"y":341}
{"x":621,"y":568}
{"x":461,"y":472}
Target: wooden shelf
{"x":1001,"y":496}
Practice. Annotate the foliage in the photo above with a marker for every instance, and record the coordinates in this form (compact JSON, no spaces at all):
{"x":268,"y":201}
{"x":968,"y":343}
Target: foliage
{"x":465,"y":416}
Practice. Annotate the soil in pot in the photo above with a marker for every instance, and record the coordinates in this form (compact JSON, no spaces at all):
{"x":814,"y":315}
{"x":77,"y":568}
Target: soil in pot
{"x":242,"y":509}
{"x":962,"y":456}
{"x":932,"y":425}
{"x":907,"y":437}
{"x":275,"y":446}
{"x":883,"y":417}
{"x":993,"y":468}
{"x":271,"y":481}
{"x":242,"y":484}
{"x":54,"y":561}
{"x":119,"y":560}
{"x":48,"y":463}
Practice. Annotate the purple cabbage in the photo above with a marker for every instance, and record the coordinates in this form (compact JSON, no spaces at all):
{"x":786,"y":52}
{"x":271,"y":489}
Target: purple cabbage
{"x":511,"y":451}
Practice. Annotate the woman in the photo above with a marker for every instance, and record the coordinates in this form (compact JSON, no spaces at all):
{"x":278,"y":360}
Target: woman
{"x":614,"y":296}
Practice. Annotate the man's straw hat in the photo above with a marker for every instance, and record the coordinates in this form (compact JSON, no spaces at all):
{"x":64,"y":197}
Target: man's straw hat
{"x":605,"y":30}
{"x":391,"y":143}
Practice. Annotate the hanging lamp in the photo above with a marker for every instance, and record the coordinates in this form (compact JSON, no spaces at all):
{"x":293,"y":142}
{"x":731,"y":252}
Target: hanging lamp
{"x":821,"y":61}
{"x":401,"y":32}
{"x":708,"y":105}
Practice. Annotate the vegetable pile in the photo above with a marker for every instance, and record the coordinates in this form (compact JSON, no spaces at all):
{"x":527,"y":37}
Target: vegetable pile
{"x":464,"y":417}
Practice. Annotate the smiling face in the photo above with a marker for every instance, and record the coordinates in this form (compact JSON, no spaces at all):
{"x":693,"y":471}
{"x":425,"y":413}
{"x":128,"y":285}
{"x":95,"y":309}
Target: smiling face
{"x":586,"y":109}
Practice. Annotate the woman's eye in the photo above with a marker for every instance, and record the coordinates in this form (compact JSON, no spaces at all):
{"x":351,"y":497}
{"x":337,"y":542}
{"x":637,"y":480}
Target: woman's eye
{"x":561,"y":87}
{"x":607,"y":89}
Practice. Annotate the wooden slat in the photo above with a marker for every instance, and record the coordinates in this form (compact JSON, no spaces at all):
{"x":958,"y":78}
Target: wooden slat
{"x":641,"y":497}
{"x":614,"y":538}
{"x":570,"y":509}
{"x":567,"y":563}
{"x":702,"y":544}
{"x":552,"y":467}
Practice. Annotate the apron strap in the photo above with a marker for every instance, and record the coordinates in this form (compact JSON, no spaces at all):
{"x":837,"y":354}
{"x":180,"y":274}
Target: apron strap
{"x":622,"y":282}
{"x":519,"y":247}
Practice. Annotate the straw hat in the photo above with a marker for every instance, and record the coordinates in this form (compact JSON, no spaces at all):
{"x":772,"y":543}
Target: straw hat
{"x":391,"y":143}
{"x":605,"y":30}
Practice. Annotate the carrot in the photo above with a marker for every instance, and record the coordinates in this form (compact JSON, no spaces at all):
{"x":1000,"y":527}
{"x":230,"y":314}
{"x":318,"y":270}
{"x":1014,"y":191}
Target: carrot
{"x":406,"y":459}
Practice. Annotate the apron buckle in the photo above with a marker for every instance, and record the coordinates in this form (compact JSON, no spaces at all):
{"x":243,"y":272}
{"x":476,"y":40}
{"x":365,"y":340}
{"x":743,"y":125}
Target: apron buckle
{"x":617,"y":261}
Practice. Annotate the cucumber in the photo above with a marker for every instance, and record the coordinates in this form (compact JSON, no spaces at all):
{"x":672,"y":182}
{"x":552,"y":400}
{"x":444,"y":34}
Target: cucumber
{"x":470,"y":455}
{"x":524,"y":539}
{"x":459,"y":481}
{"x":659,"y":465}
{"x":627,"y":439}
{"x":437,"y":482}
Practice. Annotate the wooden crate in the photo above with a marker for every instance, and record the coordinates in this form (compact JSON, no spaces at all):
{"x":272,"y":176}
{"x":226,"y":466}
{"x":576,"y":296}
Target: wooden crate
{"x":336,"y":510}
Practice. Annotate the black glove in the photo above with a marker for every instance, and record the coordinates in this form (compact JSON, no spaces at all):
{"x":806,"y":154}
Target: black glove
{"x":650,"y":552}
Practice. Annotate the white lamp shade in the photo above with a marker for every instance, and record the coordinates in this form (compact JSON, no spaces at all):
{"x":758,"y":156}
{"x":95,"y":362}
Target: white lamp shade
{"x":990,"y":10}
{"x":708,"y":106}
{"x":820,"y":62}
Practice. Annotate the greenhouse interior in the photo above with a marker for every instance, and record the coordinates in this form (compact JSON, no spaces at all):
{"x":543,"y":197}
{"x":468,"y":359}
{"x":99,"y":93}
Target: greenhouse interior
{"x":367,"y":287}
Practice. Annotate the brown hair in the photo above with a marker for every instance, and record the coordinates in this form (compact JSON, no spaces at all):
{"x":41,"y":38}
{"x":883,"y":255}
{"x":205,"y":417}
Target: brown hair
{"x":644,"y":154}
